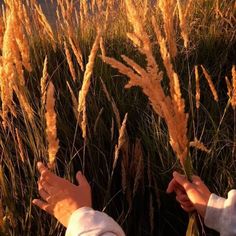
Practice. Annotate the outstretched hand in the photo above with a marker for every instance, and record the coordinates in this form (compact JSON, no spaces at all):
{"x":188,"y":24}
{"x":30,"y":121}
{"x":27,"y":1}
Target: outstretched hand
{"x":191,"y":196}
{"x":61,"y":198}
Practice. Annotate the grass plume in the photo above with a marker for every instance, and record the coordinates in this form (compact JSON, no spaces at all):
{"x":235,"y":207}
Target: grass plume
{"x":51,"y":128}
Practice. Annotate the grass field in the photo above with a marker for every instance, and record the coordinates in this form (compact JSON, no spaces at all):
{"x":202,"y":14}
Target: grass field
{"x":70,"y":98}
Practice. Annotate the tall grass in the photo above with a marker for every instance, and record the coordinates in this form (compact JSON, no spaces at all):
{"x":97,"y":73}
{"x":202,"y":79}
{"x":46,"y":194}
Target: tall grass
{"x":128,"y":163}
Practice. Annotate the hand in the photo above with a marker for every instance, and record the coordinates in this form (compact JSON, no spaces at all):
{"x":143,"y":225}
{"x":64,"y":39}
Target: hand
{"x":61,"y":198}
{"x":191,"y":196}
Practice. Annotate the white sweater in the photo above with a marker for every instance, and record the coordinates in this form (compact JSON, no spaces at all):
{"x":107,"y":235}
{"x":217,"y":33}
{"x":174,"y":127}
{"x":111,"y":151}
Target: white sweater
{"x":220,"y":216}
{"x":87,"y":222}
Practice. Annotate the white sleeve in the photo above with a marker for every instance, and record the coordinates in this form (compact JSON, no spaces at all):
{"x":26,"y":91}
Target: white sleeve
{"x":87,"y":222}
{"x":221,"y":214}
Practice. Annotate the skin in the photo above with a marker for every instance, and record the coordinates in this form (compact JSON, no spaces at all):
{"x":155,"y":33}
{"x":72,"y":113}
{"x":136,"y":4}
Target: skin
{"x":60,"y":197}
{"x":191,"y":195}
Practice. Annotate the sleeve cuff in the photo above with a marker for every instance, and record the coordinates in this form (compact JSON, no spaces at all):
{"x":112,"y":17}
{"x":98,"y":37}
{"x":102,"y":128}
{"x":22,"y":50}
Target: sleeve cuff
{"x":86,"y":221}
{"x":214,"y":212}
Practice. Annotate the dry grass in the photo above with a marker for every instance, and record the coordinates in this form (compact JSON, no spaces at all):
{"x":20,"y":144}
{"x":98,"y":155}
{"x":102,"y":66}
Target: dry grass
{"x":184,"y":12}
{"x":121,"y":141}
{"x":78,"y":53}
{"x":20,"y":146}
{"x":198,"y":91}
{"x":44,"y":24}
{"x":210,"y":83}
{"x":15,"y":57}
{"x":43,"y":82}
{"x":167,"y":10}
{"x":231,"y":87}
{"x":233,"y":101}
{"x":70,"y":63}
{"x":149,"y":79}
{"x":199,"y":145}
{"x":113,"y":104}
{"x":85,"y":86}
{"x":51,"y":128}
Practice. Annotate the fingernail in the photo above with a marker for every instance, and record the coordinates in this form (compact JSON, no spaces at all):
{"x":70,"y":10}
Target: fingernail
{"x":39,"y":164}
{"x":175,"y":173}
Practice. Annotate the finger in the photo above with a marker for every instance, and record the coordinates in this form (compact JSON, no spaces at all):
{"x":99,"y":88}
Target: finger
{"x":81,"y":179}
{"x":180,"y":179}
{"x":45,"y":173}
{"x":196,"y":180}
{"x":49,"y":177}
{"x":42,"y":205}
{"x":188,"y":209}
{"x":180,"y":191}
{"x":171,"y":186}
{"x":41,"y":167}
{"x":43,"y":194}
{"x":47,"y":187}
{"x":192,"y":190}
{"x":184,"y":203}
{"x":183,"y":197}
{"x":187,"y":204}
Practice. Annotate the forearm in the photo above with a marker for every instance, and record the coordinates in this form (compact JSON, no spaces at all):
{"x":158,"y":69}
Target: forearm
{"x":86,"y":221}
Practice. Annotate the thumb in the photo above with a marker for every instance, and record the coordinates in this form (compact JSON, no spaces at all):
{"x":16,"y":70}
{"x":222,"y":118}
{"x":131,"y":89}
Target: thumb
{"x":182,"y":180}
{"x":81,"y":179}
{"x":189,"y":188}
